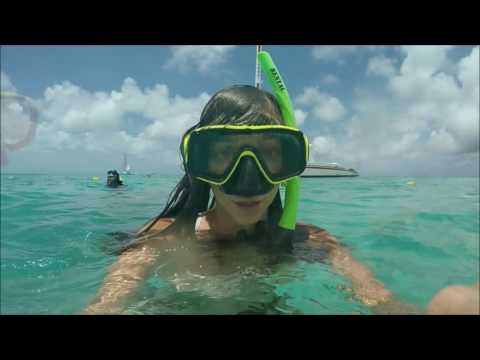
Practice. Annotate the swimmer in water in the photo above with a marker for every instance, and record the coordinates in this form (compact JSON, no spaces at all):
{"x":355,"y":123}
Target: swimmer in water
{"x":113,"y":179}
{"x":235,"y":158}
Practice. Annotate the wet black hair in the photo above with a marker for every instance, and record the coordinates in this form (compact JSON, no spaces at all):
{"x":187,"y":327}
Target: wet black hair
{"x":116,"y":175}
{"x":235,"y":105}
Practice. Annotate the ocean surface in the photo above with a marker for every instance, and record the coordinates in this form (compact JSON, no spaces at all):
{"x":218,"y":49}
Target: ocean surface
{"x":417,"y":235}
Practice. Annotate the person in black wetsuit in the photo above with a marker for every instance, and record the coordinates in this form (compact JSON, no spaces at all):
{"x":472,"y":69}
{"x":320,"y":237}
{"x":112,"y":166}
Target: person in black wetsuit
{"x":113,"y":179}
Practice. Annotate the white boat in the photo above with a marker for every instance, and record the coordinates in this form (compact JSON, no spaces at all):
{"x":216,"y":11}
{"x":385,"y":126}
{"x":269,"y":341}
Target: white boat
{"x":126,"y":170}
{"x":327,"y":170}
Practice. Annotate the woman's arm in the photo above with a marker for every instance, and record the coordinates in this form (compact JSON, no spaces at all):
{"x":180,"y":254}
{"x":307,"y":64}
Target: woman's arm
{"x":455,"y":299}
{"x":368,"y":289}
{"x":126,"y":275}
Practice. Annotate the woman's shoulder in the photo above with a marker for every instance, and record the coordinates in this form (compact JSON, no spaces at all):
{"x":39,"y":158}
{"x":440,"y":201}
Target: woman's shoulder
{"x":155,"y":225}
{"x":162,"y":223}
{"x":310,"y":229}
{"x":315,"y":234}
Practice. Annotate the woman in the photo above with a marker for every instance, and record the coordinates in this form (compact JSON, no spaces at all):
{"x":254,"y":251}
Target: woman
{"x":226,"y":201}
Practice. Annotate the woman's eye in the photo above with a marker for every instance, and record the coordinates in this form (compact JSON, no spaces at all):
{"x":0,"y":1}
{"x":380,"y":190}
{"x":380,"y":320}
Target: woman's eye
{"x":222,"y":153}
{"x":273,"y":153}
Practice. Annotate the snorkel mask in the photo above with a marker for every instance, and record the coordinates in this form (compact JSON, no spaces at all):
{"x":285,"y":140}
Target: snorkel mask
{"x":245,"y":160}
{"x":249,"y":160}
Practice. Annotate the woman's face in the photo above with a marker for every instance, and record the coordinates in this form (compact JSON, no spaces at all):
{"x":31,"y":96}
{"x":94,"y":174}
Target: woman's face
{"x":245,"y":210}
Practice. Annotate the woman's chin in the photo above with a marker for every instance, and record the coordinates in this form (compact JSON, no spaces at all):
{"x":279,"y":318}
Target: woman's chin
{"x":248,"y":220}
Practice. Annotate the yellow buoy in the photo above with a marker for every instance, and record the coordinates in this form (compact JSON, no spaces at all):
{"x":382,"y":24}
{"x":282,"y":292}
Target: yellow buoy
{"x":411,"y":183}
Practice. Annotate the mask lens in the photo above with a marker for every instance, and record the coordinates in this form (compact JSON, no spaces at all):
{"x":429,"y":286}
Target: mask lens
{"x":212,"y":154}
{"x":271,"y":153}
{"x":221,"y":156}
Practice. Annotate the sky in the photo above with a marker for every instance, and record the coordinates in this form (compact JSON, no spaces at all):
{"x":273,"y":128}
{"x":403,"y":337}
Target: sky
{"x":382,"y":110}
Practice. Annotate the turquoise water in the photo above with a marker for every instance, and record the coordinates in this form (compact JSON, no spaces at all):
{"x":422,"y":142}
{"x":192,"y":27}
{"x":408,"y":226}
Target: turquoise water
{"x":416,"y":239}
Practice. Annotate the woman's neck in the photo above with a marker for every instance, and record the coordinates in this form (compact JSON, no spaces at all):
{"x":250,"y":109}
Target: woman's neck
{"x":223,"y":225}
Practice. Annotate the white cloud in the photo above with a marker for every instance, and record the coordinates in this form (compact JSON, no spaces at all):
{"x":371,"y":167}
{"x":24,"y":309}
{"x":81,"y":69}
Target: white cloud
{"x":76,"y":119}
{"x":15,"y":121}
{"x":70,"y":108}
{"x":300,"y":116}
{"x":330,"y":79}
{"x":468,"y":71}
{"x":451,"y":107}
{"x":401,"y":145}
{"x":441,"y":141}
{"x":423,"y":120}
{"x":413,"y":87}
{"x":338,"y":53}
{"x":172,"y":120}
{"x":381,"y":65}
{"x":322,"y":147}
{"x":332,"y":52}
{"x":6,"y":84}
{"x":49,"y":138}
{"x":323,"y":106}
{"x":120,"y":141}
{"x":424,"y":61}
{"x":202,"y":58}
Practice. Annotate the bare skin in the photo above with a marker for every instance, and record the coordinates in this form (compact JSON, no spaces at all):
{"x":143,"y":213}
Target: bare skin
{"x":456,"y":300}
{"x":124,"y":277}
{"x":222,"y":223}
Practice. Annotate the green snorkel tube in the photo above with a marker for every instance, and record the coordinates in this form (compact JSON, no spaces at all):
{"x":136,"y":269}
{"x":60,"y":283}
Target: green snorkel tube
{"x":286,"y":226}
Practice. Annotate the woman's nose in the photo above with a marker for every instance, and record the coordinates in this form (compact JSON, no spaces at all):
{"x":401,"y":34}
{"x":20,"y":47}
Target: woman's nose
{"x":247,"y":180}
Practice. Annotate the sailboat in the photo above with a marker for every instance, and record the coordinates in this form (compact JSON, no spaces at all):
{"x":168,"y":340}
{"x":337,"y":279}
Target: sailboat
{"x":328,"y":170}
{"x":315,"y":169}
{"x":126,"y":170}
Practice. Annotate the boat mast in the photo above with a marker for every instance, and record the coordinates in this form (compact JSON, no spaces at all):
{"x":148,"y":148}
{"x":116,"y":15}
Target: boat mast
{"x":258,"y":70}
{"x":124,"y":163}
